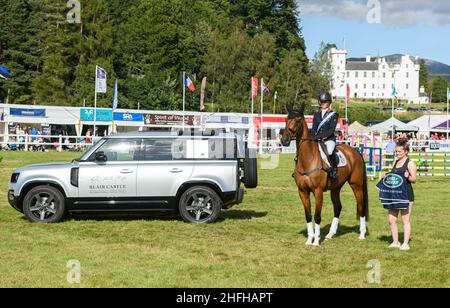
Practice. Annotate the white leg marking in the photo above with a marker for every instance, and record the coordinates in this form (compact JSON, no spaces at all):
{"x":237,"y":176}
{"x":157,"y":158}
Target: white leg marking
{"x":333,"y":229}
{"x":362,"y":228}
{"x":310,"y":228}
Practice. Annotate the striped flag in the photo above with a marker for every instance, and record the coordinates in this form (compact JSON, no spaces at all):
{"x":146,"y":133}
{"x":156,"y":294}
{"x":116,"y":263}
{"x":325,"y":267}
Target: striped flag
{"x":188,"y":83}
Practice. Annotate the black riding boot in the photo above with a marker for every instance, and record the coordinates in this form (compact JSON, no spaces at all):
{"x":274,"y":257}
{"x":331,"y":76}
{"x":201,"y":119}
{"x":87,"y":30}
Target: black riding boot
{"x":334,"y":169}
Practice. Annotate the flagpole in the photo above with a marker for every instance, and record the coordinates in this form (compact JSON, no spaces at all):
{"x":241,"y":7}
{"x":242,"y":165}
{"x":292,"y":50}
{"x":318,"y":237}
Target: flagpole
{"x":184,"y":96}
{"x":95,"y":100}
{"x":262,"y":111}
{"x":448,"y":98}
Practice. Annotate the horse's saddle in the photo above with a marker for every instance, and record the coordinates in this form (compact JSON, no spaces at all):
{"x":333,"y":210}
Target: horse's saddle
{"x":340,"y":158}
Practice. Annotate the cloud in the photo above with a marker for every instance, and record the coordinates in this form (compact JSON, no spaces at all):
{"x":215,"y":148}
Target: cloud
{"x":401,"y":13}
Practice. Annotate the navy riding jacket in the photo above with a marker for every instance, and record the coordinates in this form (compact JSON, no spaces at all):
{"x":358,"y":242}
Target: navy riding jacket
{"x":327,"y":131}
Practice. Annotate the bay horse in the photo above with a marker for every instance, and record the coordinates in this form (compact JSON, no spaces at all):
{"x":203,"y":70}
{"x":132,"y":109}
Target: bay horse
{"x":311,"y":176}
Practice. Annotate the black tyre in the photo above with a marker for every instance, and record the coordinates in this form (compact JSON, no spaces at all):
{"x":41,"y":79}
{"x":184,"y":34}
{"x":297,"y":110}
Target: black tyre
{"x":250,"y":169}
{"x":44,"y":204}
{"x":200,"y":205}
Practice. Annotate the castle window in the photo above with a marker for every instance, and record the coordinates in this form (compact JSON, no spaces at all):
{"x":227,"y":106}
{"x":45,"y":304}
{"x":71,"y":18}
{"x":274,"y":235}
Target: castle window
{"x":356,"y":74}
{"x":373,"y":74}
{"x":365,"y":74}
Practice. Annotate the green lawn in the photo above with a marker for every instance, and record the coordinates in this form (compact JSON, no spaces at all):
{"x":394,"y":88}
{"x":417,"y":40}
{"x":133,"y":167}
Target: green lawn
{"x":259,"y":243}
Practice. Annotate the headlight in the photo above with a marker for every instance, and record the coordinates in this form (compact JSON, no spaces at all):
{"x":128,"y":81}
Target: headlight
{"x":15,"y":177}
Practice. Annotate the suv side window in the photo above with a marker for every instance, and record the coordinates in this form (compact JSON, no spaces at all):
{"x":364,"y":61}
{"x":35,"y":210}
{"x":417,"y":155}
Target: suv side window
{"x":163,"y":149}
{"x":120,"y":149}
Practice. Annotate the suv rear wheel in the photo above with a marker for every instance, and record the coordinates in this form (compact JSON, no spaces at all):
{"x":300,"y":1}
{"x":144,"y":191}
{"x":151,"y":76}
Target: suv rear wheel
{"x":250,"y":169}
{"x":200,"y":205}
{"x":44,"y":204}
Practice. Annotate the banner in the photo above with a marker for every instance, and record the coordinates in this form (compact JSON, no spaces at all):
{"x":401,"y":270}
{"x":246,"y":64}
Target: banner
{"x":128,"y":117}
{"x":393,"y":191}
{"x":202,"y":95}
{"x":170,"y":119}
{"x":100,"y":80}
{"x":255,"y":83}
{"x":22,"y":112}
{"x":226,"y":120}
{"x":103,"y":115}
{"x":46,"y":130}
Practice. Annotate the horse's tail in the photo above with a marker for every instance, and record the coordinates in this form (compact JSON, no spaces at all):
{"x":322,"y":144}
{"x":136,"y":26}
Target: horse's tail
{"x":365,"y":190}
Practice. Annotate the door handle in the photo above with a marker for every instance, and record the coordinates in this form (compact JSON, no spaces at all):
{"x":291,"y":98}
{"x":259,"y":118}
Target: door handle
{"x":175,"y":170}
{"x":126,"y":171}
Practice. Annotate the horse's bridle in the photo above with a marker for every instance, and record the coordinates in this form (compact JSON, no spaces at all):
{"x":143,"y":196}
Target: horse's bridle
{"x":295,"y":136}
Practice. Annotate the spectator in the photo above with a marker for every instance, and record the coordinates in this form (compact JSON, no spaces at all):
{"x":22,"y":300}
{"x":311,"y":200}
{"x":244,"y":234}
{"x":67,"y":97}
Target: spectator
{"x":435,"y":137}
{"x":88,"y":135}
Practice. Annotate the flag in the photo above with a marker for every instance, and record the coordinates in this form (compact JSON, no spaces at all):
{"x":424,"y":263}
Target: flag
{"x":255,"y":84}
{"x":394,"y":91}
{"x":188,"y":83}
{"x":100,"y":80}
{"x":393,"y":191}
{"x":116,"y":96}
{"x":202,"y":95}
{"x":4,"y":73}
{"x":264,"y":88}
{"x":347,"y":98}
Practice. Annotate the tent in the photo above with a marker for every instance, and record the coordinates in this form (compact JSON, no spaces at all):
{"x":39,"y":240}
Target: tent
{"x":393,"y":124}
{"x":444,"y":125}
{"x":357,"y":127}
{"x":427,"y":122}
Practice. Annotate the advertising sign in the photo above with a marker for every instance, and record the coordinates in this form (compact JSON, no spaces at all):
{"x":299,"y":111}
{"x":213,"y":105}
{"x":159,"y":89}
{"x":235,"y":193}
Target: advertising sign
{"x":170,"y":119}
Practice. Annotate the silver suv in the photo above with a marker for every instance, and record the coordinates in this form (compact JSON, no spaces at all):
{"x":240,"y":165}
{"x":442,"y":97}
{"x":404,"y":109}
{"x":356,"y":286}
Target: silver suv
{"x":197,"y":176}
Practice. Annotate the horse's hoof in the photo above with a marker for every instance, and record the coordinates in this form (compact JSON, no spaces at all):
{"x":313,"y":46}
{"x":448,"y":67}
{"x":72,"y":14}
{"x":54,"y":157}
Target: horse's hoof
{"x":362,"y":237}
{"x":329,"y":236}
{"x":316,"y":242}
{"x":309,"y":242}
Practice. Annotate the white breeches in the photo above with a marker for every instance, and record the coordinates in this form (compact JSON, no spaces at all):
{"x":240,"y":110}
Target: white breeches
{"x":331,"y":145}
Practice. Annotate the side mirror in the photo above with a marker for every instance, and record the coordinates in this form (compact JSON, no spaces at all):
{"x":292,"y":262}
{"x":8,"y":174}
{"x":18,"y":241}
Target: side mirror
{"x":101,"y":157}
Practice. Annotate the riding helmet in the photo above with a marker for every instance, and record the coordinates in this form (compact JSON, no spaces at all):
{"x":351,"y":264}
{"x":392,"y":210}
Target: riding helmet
{"x":325,"y":97}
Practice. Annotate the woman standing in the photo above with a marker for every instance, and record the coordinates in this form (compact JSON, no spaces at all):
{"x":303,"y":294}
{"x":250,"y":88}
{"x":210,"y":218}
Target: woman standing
{"x":406,"y":167}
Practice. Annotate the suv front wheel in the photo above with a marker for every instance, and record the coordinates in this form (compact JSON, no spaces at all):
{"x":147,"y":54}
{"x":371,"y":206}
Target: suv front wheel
{"x":44,"y":204}
{"x":200,"y":205}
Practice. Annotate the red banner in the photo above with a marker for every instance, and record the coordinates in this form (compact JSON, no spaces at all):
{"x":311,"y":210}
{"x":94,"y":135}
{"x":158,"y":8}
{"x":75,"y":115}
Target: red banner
{"x":254,"y":88}
{"x":348,"y":93}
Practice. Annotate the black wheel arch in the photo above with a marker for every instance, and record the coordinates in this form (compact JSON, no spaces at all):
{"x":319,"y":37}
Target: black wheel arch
{"x":30,"y":185}
{"x":191,"y":184}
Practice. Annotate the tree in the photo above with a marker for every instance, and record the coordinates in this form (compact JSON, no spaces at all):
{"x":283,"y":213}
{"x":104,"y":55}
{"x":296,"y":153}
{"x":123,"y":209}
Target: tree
{"x":423,"y":75}
{"x":439,"y":88}
{"x":18,"y":48}
{"x":321,"y":64}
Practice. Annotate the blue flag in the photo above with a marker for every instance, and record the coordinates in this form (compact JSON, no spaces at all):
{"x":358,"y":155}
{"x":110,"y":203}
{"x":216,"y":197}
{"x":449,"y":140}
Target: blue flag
{"x":4,"y":73}
{"x":394,"y":192}
{"x":116,"y":96}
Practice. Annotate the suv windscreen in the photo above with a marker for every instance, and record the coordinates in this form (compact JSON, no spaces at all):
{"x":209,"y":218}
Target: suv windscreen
{"x":120,"y":149}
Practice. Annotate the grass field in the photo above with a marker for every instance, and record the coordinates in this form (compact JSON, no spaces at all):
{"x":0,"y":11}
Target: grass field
{"x":259,"y":243}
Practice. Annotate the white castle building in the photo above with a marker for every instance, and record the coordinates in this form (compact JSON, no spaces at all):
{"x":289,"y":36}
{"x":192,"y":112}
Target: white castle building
{"x":375,"y":78}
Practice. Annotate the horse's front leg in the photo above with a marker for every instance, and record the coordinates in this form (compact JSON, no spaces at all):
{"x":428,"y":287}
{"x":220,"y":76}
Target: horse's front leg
{"x":318,"y":195}
{"x":304,"y":196}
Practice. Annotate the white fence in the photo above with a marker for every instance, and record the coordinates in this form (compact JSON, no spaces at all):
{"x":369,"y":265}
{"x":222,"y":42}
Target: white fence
{"x":25,"y":142}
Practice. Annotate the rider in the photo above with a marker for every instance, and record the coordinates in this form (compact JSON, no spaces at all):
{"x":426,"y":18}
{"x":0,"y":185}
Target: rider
{"x":324,"y":127}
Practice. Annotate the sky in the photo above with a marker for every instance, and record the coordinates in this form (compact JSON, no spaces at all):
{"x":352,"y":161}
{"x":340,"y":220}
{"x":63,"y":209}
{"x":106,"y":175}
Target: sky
{"x":378,"y":27}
